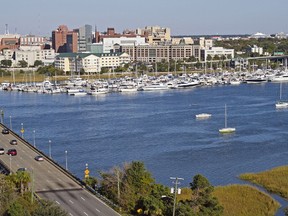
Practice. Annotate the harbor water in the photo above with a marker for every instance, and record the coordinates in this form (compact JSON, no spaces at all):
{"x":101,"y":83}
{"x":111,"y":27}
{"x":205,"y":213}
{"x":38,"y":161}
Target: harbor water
{"x":158,"y":128}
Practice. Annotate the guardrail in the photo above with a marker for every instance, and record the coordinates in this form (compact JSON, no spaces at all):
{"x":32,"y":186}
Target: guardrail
{"x":59,"y":167}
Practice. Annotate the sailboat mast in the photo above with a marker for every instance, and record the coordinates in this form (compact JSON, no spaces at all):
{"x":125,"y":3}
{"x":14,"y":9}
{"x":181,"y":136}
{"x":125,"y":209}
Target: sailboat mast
{"x":225,"y":116}
{"x":280,"y":91}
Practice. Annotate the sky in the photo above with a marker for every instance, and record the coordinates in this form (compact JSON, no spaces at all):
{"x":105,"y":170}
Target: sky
{"x":183,"y":17}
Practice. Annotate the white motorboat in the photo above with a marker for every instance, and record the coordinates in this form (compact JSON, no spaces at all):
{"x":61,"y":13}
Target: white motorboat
{"x":155,"y":87}
{"x":98,"y":91}
{"x":80,"y":92}
{"x":203,"y":116}
{"x":226,"y":129}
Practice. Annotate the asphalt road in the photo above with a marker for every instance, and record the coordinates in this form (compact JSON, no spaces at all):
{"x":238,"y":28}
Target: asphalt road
{"x":50,"y":182}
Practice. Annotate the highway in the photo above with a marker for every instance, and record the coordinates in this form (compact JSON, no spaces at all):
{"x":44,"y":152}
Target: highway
{"x":52,"y":182}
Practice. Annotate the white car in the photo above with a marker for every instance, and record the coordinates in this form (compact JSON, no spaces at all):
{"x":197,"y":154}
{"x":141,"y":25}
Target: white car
{"x":2,"y":151}
{"x":39,"y":158}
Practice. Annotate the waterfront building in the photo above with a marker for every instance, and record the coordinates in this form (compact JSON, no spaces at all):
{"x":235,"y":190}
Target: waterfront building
{"x":64,"y":40}
{"x":90,"y":62}
{"x":155,"y":34}
{"x":85,"y":37}
{"x":157,"y":53}
{"x":29,"y":54}
{"x":216,"y":51}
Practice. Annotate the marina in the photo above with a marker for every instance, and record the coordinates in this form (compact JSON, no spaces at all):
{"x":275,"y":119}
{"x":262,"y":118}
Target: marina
{"x":158,"y":128}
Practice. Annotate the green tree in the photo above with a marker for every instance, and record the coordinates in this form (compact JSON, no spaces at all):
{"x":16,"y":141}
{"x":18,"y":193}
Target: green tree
{"x":38,"y":63}
{"x":208,"y":58}
{"x":49,"y":208}
{"x":6,"y":63}
{"x":7,"y":193}
{"x":21,"y":180}
{"x":17,"y":209}
{"x":23,"y":63}
{"x":202,"y":201}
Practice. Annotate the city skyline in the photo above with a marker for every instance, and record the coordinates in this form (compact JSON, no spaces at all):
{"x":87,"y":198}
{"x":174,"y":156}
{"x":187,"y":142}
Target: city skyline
{"x":183,"y":17}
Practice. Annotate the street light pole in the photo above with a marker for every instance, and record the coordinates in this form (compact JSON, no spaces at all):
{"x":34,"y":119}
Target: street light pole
{"x":10,"y":123}
{"x":66,"y":160}
{"x":176,"y":182}
{"x":50,"y":148}
{"x":10,"y":164}
{"x":2,"y":116}
{"x":32,"y":189}
{"x":22,"y":130}
{"x":34,"y":143}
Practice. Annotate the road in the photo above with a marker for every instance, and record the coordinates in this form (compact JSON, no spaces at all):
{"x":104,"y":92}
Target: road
{"x":52,"y":182}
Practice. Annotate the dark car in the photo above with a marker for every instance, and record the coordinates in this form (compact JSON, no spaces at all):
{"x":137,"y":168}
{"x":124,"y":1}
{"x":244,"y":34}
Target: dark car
{"x":13,"y":142}
{"x":22,"y":169}
{"x":12,"y":152}
{"x":2,"y":151}
{"x":5,"y":131}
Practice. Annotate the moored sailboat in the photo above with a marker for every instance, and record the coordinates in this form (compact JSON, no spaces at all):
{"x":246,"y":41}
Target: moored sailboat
{"x":226,"y":129}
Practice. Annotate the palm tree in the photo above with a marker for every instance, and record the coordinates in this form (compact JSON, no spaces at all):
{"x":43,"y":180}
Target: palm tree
{"x":21,"y":179}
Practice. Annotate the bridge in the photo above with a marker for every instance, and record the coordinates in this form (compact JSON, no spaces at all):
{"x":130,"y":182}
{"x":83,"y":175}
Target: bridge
{"x":51,"y":181}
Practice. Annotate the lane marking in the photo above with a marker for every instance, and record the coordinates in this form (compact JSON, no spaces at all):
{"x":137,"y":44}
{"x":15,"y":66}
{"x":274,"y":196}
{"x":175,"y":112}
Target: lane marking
{"x":85,"y":213}
{"x":82,"y":198}
{"x":97,"y":210}
{"x":71,"y":201}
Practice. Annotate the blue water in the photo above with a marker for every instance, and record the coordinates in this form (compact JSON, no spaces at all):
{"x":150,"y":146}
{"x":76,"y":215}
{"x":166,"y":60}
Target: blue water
{"x":158,"y":128}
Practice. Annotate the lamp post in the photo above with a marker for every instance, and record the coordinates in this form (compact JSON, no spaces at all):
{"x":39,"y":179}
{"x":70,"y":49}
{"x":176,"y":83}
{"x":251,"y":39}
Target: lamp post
{"x":10,"y":158}
{"x":2,"y":116}
{"x":175,"y":190}
{"x":32,"y":188}
{"x":34,"y":142}
{"x":22,"y":130}
{"x":66,"y":164}
{"x":10,"y":123}
{"x":50,"y":148}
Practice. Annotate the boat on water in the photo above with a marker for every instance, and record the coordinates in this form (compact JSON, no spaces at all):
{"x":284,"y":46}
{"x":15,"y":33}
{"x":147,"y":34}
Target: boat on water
{"x":280,"y":78}
{"x":256,"y":80}
{"x":203,"y":116}
{"x":281,"y":103}
{"x":226,"y":129}
{"x":80,"y":92}
{"x":98,"y":91}
{"x":155,"y":87}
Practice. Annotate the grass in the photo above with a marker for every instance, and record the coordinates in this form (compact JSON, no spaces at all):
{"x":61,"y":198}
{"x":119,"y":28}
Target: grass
{"x":274,"y":180}
{"x":245,"y":200}
{"x":241,"y":200}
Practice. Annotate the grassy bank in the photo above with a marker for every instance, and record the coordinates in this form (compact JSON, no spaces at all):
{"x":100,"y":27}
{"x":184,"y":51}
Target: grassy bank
{"x":274,"y":180}
{"x":241,"y":200}
{"x":245,"y":200}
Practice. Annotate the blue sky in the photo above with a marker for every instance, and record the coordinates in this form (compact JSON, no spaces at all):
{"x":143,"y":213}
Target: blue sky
{"x":184,"y":17}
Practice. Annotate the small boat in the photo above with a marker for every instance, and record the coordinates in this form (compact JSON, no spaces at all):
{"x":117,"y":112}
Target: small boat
{"x":203,"y":116}
{"x":226,"y":129}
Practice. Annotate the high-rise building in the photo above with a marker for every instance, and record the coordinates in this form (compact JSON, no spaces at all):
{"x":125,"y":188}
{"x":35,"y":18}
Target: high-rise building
{"x":64,"y":40}
{"x":85,"y":37}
